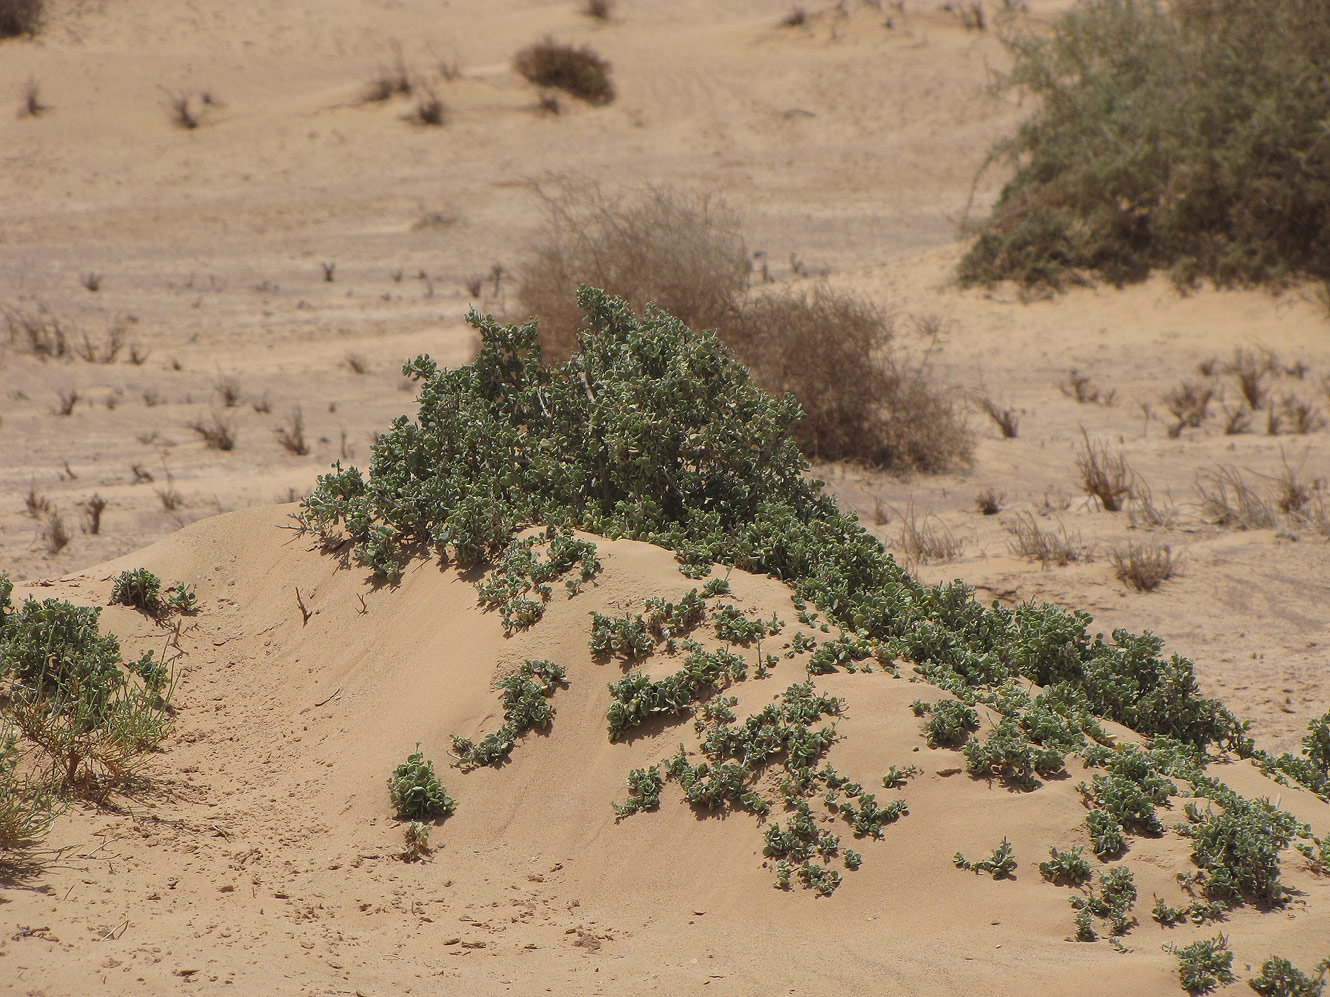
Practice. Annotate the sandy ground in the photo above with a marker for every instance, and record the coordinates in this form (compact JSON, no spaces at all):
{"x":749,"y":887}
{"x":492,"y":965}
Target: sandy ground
{"x":848,"y":143}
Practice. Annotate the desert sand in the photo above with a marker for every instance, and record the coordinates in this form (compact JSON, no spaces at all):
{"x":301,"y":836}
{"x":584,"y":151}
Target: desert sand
{"x":257,"y":852}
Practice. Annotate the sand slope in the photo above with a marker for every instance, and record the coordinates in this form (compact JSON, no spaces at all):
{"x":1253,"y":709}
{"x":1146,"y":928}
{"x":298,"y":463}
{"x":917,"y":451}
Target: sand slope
{"x":257,"y":853}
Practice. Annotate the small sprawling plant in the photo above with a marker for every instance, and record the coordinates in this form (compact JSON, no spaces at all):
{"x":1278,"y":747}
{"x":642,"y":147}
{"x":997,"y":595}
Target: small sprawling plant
{"x":139,"y":588}
{"x":521,"y":583}
{"x":1111,"y":903}
{"x":526,"y":707}
{"x":1001,"y":864}
{"x":1066,"y":866}
{"x":1204,"y":964}
{"x":1280,"y":978}
{"x":415,"y":791}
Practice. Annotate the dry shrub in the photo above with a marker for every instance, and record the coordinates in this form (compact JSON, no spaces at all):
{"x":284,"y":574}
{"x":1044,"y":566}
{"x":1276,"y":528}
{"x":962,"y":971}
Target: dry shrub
{"x":1190,"y":403}
{"x":1143,"y":566}
{"x":1249,"y":371}
{"x":579,"y":72}
{"x":989,"y":502}
{"x":1105,"y":474}
{"x":1080,"y":387}
{"x":829,"y":349}
{"x":217,"y":433}
{"x":32,"y":105}
{"x":20,"y":17}
{"x":1143,"y":511}
{"x":92,"y":513}
{"x":599,"y":9}
{"x":57,"y":533}
{"x":1044,"y":546}
{"x":682,"y":253}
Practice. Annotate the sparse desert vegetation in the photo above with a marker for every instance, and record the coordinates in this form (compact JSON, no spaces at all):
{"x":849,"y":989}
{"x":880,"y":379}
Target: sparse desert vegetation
{"x":658,"y":656}
{"x":577,"y":71}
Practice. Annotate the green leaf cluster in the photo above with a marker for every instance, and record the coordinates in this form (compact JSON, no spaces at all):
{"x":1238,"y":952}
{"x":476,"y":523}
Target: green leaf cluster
{"x":526,"y":706}
{"x":415,"y":791}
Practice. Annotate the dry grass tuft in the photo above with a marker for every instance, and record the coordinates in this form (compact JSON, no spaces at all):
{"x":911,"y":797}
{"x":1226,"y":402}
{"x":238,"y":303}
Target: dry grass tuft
{"x":1229,"y":501}
{"x":1044,"y":546}
{"x":1084,"y":391}
{"x":1105,"y":475}
{"x":1005,"y":418}
{"x":92,"y":513}
{"x":32,"y":106}
{"x":430,"y":110}
{"x":1143,"y":566}
{"x":924,"y":543}
{"x":1190,"y":404}
{"x":989,"y":502}
{"x":37,"y":504}
{"x":292,"y":436}
{"x":69,"y":397}
{"x":599,"y":9}
{"x":228,"y":389}
{"x":579,"y":72}
{"x":57,"y":533}
{"x":1250,"y":371}
{"x":357,"y":363}
{"x":218,"y":433}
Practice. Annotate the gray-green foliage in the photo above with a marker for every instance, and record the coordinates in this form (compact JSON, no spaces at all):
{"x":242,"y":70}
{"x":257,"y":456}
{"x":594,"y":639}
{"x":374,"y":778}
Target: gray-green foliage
{"x":949,"y":722}
{"x":1226,"y":180}
{"x":1280,"y":978}
{"x":1238,"y":845}
{"x":138,"y":587}
{"x":1111,"y":902}
{"x":415,"y":791}
{"x":521,"y":583}
{"x":1001,"y":864}
{"x":526,"y":706}
{"x":1204,"y":964}
{"x":1066,"y":866}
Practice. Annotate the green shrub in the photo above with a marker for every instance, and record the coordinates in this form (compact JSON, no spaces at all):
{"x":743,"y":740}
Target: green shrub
{"x":66,"y":696}
{"x":139,"y":588}
{"x":1068,"y":866}
{"x":949,"y":723}
{"x":1204,"y":964}
{"x":415,"y":791}
{"x":1226,"y":179}
{"x":1239,"y":845}
{"x":579,"y":72}
{"x":657,"y":433}
{"x":831,"y":349}
{"x":1112,"y":902}
{"x":1280,"y":978}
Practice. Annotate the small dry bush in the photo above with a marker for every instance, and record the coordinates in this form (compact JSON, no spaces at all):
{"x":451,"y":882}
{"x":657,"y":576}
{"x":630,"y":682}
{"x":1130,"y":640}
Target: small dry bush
{"x":1105,"y":475}
{"x":830,"y":349}
{"x":292,"y":436}
{"x":1142,"y":510}
{"x":1250,"y":372}
{"x":32,"y":105}
{"x":989,"y":502}
{"x":57,"y":533}
{"x":1080,"y":387}
{"x":1044,"y":546}
{"x":430,"y":110}
{"x":41,"y":333}
{"x":20,"y":17}
{"x":1143,"y":566}
{"x":92,"y":513}
{"x":682,"y":253}
{"x":228,"y":389}
{"x":1190,"y":404}
{"x":577,"y":71}
{"x":599,"y":9}
{"x":218,"y":433}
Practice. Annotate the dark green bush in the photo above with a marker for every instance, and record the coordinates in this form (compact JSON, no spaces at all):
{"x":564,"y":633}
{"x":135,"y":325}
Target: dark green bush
{"x":1177,"y":135}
